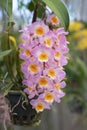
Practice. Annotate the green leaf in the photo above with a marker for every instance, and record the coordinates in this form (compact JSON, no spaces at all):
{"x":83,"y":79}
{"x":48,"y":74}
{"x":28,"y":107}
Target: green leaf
{"x":3,"y":4}
{"x":60,"y":10}
{"x":7,"y":5}
{"x":4,"y":53}
{"x":30,"y":6}
{"x":36,"y":1}
{"x":41,"y":11}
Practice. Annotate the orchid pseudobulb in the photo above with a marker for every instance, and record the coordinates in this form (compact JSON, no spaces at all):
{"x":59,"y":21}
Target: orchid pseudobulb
{"x":44,"y":54}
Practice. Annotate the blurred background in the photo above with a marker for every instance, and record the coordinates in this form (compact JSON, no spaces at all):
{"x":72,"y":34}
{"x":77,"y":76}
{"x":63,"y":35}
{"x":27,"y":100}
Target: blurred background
{"x":71,"y":113}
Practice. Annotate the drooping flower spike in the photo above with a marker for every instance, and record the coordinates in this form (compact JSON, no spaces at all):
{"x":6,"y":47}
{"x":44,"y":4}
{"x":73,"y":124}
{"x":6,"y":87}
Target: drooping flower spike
{"x":44,"y":54}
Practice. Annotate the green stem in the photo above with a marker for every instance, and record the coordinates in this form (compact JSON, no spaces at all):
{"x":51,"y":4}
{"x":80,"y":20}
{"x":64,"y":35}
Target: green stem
{"x":9,"y":62}
{"x":18,"y":66}
{"x":10,"y":10}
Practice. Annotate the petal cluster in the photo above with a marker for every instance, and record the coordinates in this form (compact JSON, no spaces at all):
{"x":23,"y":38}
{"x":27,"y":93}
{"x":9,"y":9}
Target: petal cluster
{"x":44,"y":51}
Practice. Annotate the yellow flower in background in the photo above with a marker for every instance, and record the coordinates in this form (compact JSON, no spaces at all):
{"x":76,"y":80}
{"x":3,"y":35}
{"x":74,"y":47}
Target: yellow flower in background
{"x":84,"y":33}
{"x":82,"y":44}
{"x":75,"y":26}
{"x":77,"y":35}
{"x":80,"y":34}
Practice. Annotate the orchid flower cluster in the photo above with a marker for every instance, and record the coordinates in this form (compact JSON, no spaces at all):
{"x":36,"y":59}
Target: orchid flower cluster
{"x":44,"y":51}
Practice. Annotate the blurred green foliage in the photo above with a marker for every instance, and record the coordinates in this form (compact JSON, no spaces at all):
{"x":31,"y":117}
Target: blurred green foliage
{"x":76,"y":69}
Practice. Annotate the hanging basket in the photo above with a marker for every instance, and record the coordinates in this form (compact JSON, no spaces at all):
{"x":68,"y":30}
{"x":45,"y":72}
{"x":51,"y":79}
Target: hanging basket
{"x":21,"y":111}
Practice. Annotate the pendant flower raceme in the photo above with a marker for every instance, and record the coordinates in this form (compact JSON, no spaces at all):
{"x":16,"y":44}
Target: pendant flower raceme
{"x":44,"y":51}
